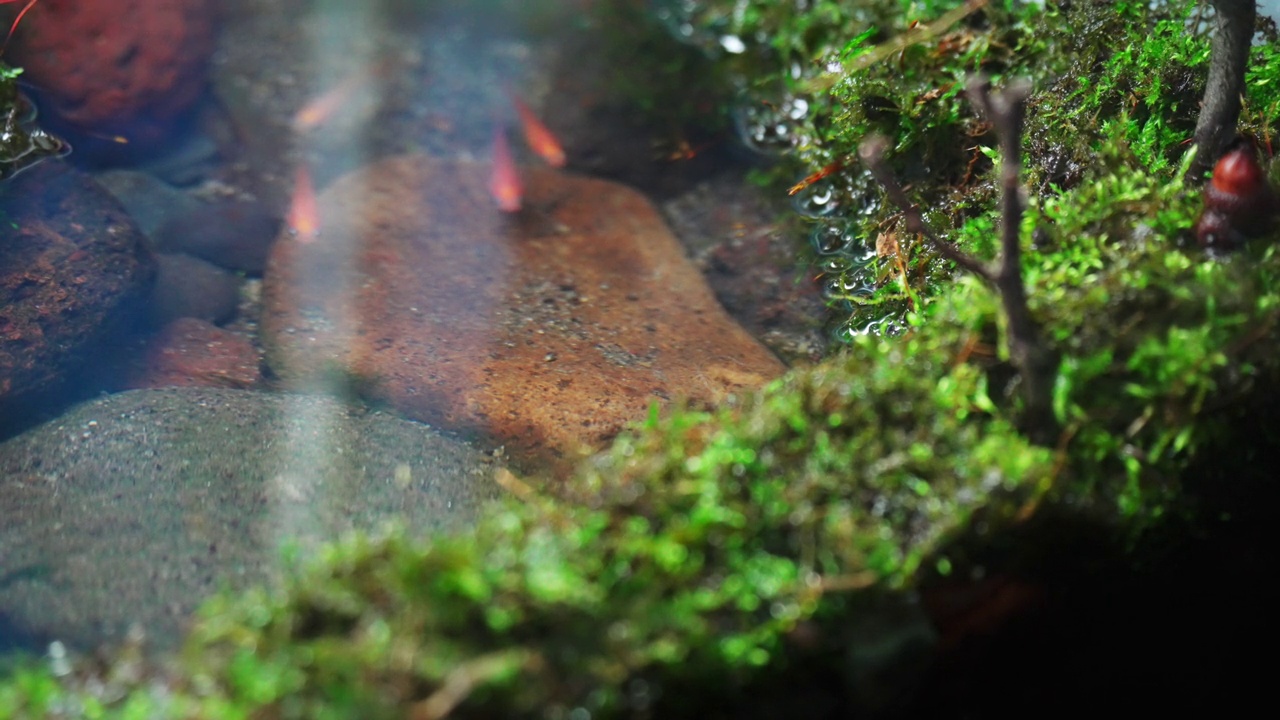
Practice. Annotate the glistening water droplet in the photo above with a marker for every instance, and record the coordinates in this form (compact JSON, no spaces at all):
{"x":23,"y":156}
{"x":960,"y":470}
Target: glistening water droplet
{"x":830,"y":239}
{"x":760,"y":128}
{"x":733,"y":44}
{"x":817,"y":200}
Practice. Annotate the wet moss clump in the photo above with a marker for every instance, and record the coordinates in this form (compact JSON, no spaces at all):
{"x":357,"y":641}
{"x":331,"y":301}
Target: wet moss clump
{"x":22,"y":144}
{"x":815,"y":79}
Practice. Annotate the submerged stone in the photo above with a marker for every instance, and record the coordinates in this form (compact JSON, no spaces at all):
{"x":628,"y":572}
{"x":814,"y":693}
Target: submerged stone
{"x":131,"y":509}
{"x":547,"y":330}
{"x":190,"y":352}
{"x":91,"y":71}
{"x":74,"y":271}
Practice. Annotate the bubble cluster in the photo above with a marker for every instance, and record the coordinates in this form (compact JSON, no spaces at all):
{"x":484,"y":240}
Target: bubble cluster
{"x":22,"y":142}
{"x":853,"y":280}
{"x":890,"y":325}
{"x":695,"y":23}
{"x":769,"y":127}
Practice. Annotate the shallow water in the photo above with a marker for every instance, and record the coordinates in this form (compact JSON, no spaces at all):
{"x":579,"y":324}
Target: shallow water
{"x":309,"y":269}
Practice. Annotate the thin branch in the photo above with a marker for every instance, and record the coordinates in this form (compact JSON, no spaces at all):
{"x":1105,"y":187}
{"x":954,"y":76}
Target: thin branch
{"x":469,"y":675}
{"x":1005,"y":112}
{"x":872,"y":153}
{"x":1228,"y":59}
{"x":1036,"y":362}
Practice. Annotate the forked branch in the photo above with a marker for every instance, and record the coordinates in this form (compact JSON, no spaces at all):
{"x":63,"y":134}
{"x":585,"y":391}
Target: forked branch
{"x":1036,"y":362}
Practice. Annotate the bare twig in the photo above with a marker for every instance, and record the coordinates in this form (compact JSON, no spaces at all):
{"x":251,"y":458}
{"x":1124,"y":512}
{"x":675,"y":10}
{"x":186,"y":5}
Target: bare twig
{"x":1229,"y":56}
{"x":1036,"y":362}
{"x":872,"y":153}
{"x":459,"y":684}
{"x":912,"y":36}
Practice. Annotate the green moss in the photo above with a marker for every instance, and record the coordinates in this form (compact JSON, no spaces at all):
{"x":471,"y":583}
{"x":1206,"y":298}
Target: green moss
{"x":819,"y":78}
{"x":21,"y":142}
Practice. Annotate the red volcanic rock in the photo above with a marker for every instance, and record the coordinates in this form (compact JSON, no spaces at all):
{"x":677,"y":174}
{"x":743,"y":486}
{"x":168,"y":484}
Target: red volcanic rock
{"x":102,"y":65}
{"x":192,"y":353}
{"x":547,"y":330}
{"x":74,"y":271}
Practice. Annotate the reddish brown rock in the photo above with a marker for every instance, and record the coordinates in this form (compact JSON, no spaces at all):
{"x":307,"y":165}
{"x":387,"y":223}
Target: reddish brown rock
{"x":73,"y":274}
{"x":192,"y":353}
{"x":546,"y":330}
{"x":103,"y":65}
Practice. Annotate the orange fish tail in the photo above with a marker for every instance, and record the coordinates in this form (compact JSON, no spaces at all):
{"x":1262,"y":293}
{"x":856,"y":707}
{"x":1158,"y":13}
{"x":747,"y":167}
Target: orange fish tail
{"x":504,"y":181}
{"x":540,"y":139}
{"x":303,"y":214}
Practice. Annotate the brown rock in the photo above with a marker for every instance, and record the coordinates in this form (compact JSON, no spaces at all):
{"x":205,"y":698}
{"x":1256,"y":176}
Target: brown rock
{"x":546,"y":330}
{"x":192,"y":353}
{"x":74,"y":271}
{"x":106,"y":65}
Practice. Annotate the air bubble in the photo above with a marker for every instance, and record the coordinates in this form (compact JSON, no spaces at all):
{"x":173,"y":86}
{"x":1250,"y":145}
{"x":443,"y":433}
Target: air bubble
{"x":817,"y":200}
{"x":761,"y":129}
{"x":733,"y":44}
{"x":837,"y":264}
{"x":833,"y":288}
{"x":830,"y":239}
{"x":843,"y":334}
{"x":861,"y":256}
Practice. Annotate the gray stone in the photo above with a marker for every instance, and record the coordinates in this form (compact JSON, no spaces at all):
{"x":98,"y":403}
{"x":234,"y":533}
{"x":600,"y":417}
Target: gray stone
{"x":149,"y":200}
{"x":134,"y":507}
